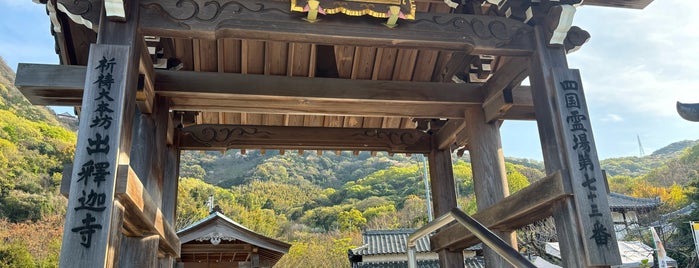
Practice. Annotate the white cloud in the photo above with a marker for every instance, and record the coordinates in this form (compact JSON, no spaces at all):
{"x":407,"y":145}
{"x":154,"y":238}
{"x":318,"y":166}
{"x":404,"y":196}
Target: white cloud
{"x":612,"y":118}
{"x":640,"y":61}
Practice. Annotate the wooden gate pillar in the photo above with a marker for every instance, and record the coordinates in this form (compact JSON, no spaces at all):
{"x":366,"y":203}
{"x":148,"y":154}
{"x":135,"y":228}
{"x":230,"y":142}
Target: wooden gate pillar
{"x":444,"y":198}
{"x":489,"y":175}
{"x":95,"y":218}
{"x":583,"y":221}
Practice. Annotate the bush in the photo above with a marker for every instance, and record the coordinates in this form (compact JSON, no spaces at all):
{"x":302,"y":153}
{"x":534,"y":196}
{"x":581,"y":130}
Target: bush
{"x":15,"y":256}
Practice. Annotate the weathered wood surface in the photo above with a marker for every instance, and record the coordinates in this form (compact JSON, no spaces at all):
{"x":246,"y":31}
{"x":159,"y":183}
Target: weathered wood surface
{"x":142,"y":213}
{"x":267,"y":20}
{"x":257,"y":93}
{"x":139,"y":252}
{"x":88,"y":218}
{"x":519,"y":209}
{"x":443,"y":198}
{"x":489,"y":175}
{"x":222,"y":137}
{"x":584,"y":225}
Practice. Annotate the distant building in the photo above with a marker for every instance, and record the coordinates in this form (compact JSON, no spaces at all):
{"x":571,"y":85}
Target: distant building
{"x":217,"y":242}
{"x":626,"y":209}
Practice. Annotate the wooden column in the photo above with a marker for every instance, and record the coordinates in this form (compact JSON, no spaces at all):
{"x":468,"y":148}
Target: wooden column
{"x":489,"y":175}
{"x":583,"y":222}
{"x":92,"y":233}
{"x":443,"y":198}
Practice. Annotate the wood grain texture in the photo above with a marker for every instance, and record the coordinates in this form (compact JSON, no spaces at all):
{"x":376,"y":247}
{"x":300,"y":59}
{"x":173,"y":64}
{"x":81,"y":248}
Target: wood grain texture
{"x":521,"y":208}
{"x":576,"y":230}
{"x":86,"y":233}
{"x":443,"y":198}
{"x":223,"y":137}
{"x":143,"y":216}
{"x":489,"y":175}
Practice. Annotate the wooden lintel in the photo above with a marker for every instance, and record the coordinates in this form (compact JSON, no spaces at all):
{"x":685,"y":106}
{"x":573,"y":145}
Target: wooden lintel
{"x":519,"y":209}
{"x":220,"y":248}
{"x":144,"y":216}
{"x":225,"y":92}
{"x":223,"y":137}
{"x":146,"y":94}
{"x":269,"y":20}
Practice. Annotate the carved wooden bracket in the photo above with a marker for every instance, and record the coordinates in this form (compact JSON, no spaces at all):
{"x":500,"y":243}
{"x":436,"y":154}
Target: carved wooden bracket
{"x":223,"y":137}
{"x":558,"y":22}
{"x":575,"y":39}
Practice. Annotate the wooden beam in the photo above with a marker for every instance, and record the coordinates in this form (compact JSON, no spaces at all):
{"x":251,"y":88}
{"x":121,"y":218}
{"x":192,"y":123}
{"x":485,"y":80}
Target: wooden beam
{"x":265,"y":20}
{"x":510,"y":103}
{"x":223,"y":137}
{"x":146,"y":93}
{"x":451,"y":133}
{"x":142,"y":214}
{"x":519,"y":209}
{"x":199,"y":91}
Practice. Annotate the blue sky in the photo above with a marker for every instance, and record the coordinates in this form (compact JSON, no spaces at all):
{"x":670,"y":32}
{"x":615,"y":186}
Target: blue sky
{"x":636,"y":66}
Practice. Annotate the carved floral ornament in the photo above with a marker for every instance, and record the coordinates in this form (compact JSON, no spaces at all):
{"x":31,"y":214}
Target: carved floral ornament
{"x":215,"y":238}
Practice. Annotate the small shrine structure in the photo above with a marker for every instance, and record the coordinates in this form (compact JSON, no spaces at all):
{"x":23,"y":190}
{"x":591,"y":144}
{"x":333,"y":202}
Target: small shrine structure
{"x":153,"y":77}
{"x":217,"y":242}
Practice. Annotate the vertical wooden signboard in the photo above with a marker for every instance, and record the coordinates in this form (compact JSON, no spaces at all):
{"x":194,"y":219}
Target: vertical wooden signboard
{"x":590,"y":194}
{"x":91,"y":198}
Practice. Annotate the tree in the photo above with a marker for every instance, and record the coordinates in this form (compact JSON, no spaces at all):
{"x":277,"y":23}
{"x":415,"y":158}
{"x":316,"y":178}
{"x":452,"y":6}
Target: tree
{"x":351,"y":220}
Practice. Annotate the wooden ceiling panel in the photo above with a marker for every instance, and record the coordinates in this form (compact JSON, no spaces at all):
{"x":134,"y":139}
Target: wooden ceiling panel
{"x":344,"y":58}
{"x":372,"y":122}
{"x":295,"y":120}
{"x":333,"y":121}
{"x":230,"y":55}
{"x":391,"y":122}
{"x":363,"y":66}
{"x":231,"y":119}
{"x":209,"y":118}
{"x":273,"y":120}
{"x":276,"y":56}
{"x":184,"y":52}
{"x":313,"y":121}
{"x":253,"y":54}
{"x":425,"y":65}
{"x":205,"y":55}
{"x":254,"y":119}
{"x":300,"y":58}
{"x":404,"y":65}
{"x":353,"y":122}
{"x":385,"y":60}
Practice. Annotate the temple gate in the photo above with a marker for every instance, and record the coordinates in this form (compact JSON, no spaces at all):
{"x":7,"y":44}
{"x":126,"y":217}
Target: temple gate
{"x":153,"y":77}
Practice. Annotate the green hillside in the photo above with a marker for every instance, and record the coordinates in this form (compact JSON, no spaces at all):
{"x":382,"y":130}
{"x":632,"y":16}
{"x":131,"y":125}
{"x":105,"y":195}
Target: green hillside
{"x":34,"y":146}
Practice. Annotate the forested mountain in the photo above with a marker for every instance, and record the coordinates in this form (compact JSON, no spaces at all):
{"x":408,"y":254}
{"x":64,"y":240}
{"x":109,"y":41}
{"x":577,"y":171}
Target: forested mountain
{"x":317,"y":202}
{"x":33,"y":148}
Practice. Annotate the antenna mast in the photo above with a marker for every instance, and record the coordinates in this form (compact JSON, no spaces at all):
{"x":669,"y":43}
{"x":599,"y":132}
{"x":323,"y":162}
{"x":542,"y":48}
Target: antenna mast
{"x":640,"y":146}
